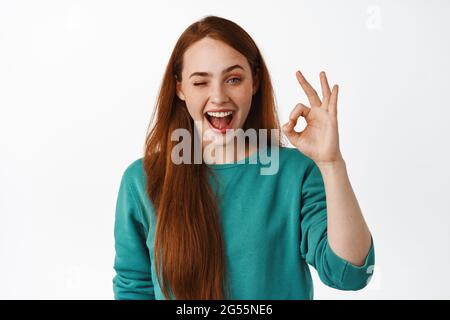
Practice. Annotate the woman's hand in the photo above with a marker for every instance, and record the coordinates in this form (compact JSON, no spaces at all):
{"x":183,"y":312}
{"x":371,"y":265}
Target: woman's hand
{"x":320,"y":139}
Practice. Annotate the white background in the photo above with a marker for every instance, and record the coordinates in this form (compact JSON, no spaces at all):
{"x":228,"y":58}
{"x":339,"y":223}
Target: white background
{"x":78,"y":82}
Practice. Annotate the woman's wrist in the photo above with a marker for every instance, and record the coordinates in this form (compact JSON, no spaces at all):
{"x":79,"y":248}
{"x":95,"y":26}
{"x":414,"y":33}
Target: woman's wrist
{"x":331,"y":167}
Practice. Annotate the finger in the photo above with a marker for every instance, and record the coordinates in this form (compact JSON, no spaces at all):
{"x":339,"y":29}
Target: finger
{"x":313,"y":98}
{"x":326,"y":92}
{"x":292,"y":135}
{"x":332,"y":106}
{"x":299,"y":110}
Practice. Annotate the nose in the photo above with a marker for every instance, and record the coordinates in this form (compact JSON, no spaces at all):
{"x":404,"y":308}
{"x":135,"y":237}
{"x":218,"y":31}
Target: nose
{"x":219,"y":94}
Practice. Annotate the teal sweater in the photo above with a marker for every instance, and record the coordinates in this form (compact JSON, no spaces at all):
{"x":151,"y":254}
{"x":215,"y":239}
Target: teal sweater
{"x":274,"y":227}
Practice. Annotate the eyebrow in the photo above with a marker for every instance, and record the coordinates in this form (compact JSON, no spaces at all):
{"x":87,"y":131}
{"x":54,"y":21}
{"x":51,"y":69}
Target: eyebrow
{"x":206,"y":74}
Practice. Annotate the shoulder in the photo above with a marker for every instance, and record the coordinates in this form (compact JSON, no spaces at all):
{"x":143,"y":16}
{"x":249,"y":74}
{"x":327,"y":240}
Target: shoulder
{"x":134,"y":175}
{"x":135,"y":168}
{"x":295,"y":159}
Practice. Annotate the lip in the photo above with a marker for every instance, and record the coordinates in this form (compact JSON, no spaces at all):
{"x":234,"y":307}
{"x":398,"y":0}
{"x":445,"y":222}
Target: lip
{"x":229,"y":126}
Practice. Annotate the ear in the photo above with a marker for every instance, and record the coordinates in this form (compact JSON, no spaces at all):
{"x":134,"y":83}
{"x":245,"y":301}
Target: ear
{"x":179,"y":92}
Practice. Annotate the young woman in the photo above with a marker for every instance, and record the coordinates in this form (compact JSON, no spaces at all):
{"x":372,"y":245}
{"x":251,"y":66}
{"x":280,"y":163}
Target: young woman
{"x":219,"y":228}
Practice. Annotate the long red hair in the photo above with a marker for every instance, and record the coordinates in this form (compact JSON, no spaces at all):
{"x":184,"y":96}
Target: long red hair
{"x":188,"y":247}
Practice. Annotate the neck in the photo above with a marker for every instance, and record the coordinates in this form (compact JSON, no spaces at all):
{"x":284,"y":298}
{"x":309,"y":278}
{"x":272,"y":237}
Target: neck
{"x":228,"y":153}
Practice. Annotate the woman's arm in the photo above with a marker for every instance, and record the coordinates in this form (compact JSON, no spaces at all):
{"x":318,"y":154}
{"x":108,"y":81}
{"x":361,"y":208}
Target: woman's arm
{"x":348,"y":234}
{"x":133,"y":280}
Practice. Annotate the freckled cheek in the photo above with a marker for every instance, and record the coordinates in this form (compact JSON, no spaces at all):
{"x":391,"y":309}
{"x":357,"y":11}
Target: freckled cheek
{"x":195,"y":108}
{"x":243,"y":102}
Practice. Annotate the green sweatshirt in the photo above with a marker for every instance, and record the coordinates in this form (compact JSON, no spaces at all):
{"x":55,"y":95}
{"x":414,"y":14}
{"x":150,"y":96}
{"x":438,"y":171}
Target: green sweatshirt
{"x":274,"y":228}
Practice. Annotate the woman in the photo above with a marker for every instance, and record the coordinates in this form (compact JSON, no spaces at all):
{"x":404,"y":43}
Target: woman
{"x":222,"y":228}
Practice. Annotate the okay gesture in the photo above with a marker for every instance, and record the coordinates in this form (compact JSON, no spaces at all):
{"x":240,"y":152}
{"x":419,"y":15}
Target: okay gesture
{"x":320,"y":139}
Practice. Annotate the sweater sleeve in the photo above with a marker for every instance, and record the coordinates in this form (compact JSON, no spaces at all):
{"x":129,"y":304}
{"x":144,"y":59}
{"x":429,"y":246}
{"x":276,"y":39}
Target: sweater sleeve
{"x":333,"y":270}
{"x":132,"y":260}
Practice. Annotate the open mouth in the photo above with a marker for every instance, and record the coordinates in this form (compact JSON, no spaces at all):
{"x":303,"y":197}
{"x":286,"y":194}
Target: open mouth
{"x":220,"y":120}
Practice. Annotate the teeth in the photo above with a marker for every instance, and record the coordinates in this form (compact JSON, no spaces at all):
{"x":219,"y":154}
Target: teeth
{"x":219,"y":114}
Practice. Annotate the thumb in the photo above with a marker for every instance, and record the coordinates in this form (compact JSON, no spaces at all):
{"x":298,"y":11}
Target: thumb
{"x":300,"y":110}
{"x":290,"y":133}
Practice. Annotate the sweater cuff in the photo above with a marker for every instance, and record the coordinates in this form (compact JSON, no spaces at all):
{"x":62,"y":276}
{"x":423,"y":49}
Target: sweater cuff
{"x":348,"y":275}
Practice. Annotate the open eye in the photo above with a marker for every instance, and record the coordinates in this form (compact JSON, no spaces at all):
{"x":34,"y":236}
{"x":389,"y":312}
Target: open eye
{"x":235,"y":78}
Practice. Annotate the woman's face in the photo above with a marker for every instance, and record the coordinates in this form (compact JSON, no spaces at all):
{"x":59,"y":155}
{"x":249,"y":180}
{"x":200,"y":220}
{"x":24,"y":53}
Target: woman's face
{"x":217,"y":87}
